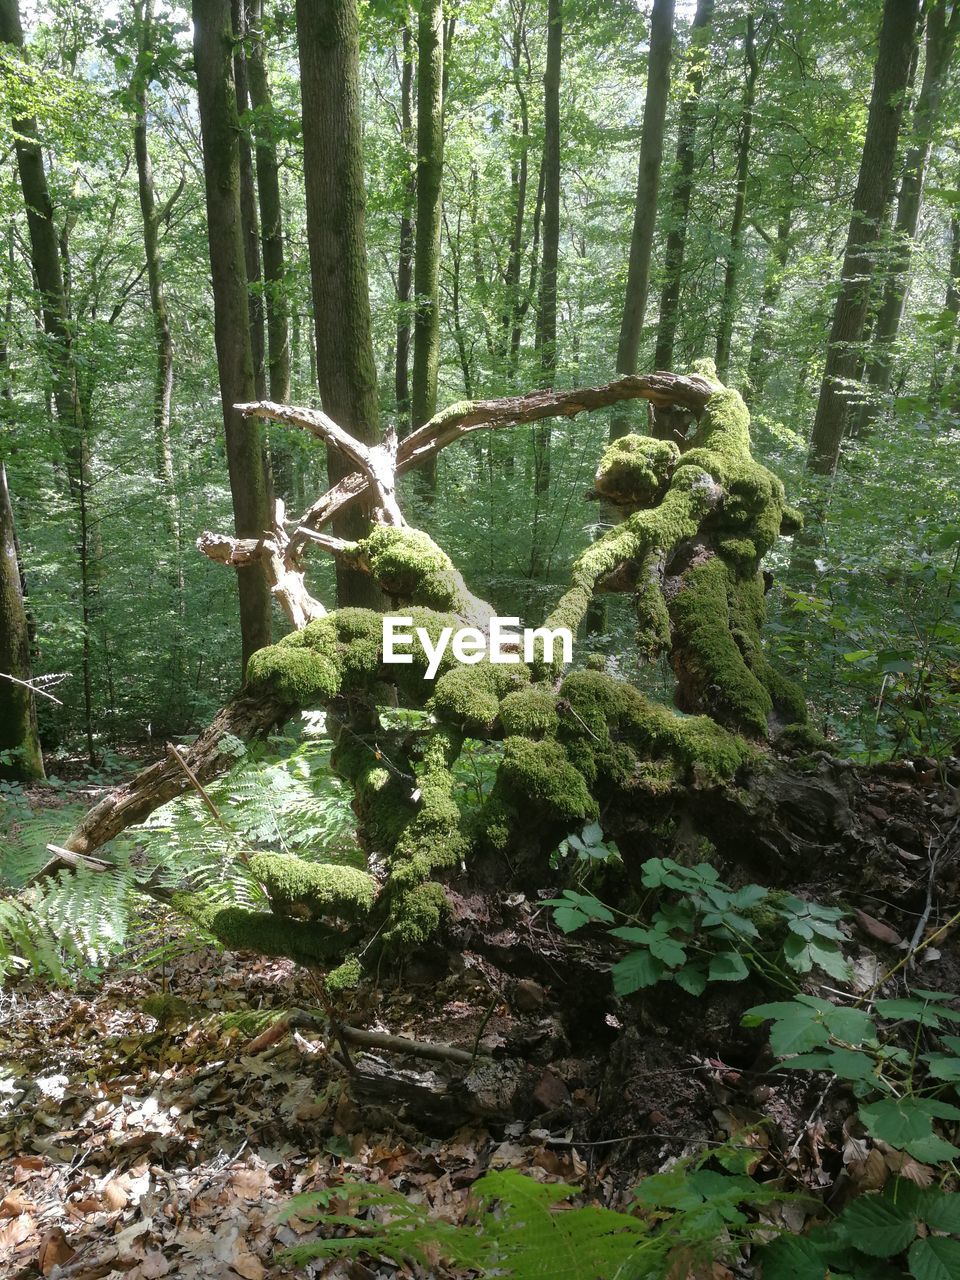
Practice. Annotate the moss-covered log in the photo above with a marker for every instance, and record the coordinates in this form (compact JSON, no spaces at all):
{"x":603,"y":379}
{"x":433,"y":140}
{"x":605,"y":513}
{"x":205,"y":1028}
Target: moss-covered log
{"x":697,"y":515}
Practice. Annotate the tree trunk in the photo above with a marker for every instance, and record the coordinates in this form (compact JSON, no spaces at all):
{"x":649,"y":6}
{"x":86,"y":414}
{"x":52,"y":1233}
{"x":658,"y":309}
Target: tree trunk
{"x":940,"y":42}
{"x":328,"y":39}
{"x":271,"y":211}
{"x":729,"y":296}
{"x":248,"y":204}
{"x":682,"y":186}
{"x":512,"y":322}
{"x":45,"y":255}
{"x":426,"y":266}
{"x":220,"y":129}
{"x":18,"y":715}
{"x":547,"y":300}
{"x":163,"y":377}
{"x":760,"y":351}
{"x":405,"y":251}
{"x":648,"y":185}
{"x":897,"y":35}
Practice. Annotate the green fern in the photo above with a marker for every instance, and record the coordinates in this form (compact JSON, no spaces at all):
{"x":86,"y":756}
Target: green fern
{"x":524,"y":1230}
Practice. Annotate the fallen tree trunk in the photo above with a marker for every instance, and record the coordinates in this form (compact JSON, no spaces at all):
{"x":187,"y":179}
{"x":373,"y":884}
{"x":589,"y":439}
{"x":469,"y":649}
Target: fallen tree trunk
{"x":214,"y":751}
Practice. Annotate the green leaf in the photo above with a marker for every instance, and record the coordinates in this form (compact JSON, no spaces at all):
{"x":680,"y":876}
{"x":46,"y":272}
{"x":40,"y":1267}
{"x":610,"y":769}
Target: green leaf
{"x":668,"y":950}
{"x":852,"y":1025}
{"x":877,"y":1226}
{"x":934,"y":1259}
{"x":907,"y":1123}
{"x":857,"y":655}
{"x":792,"y":1258}
{"x":940,"y":1210}
{"x":795,"y":1034}
{"x":728,"y":966}
{"x":691,"y":978}
{"x":943,"y":1066}
{"x":796,"y":952}
{"x":827,"y":956}
{"x":637,"y":970}
{"x":849,"y":1064}
{"x":904,"y":1010}
{"x":569,"y":919}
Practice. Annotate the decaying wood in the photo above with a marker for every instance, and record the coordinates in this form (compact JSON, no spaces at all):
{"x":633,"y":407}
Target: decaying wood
{"x":213,"y":752}
{"x":283,"y":569}
{"x":457,"y":421}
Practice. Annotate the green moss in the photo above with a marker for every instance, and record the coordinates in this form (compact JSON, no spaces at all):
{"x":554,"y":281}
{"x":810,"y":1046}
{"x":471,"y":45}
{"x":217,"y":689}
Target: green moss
{"x":540,"y":775}
{"x":346,"y":976}
{"x":802,"y":737}
{"x":606,"y":713}
{"x":240,"y":929}
{"x":410,"y":567}
{"x":300,"y":676}
{"x":634,"y":470}
{"x":530,"y":713}
{"x":706,"y":655}
{"x":416,"y":914}
{"x":321,"y":888}
{"x":653,"y":620}
{"x":469,"y":697}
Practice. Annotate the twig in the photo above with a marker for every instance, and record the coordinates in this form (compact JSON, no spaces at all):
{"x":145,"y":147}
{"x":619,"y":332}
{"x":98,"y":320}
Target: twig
{"x":29,"y":684}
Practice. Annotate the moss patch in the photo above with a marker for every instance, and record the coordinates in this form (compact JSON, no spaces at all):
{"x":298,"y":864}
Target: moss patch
{"x":320,"y":888}
{"x":634,"y":470}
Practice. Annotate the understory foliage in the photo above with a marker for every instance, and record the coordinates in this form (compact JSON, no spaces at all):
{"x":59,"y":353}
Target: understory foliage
{"x":524,"y":1229}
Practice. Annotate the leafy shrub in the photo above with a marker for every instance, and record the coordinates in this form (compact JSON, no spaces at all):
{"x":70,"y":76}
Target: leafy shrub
{"x":708,"y":932}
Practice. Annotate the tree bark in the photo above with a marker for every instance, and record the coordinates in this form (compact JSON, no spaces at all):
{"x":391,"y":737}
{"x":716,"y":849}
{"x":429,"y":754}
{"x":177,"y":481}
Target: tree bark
{"x":18,"y":715}
{"x":220,"y":129}
{"x":248,"y":203}
{"x":682,"y":186}
{"x":729,"y":297}
{"x":760,"y":351}
{"x":271,"y":210}
{"x":328,"y":39}
{"x":946,"y":363}
{"x":940,"y":42}
{"x":48,"y":269}
{"x":405,"y":250}
{"x":514,"y":310}
{"x":426,"y":265}
{"x":648,"y":186}
{"x":547,"y":300}
{"x":897,"y":36}
{"x":163,"y":376}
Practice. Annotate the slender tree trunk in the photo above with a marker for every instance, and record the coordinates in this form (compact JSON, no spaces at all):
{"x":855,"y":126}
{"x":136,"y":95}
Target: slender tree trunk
{"x":271,"y":208}
{"x":248,"y":204}
{"x":18,"y":716}
{"x":405,"y":252}
{"x":519,"y":178}
{"x":897,"y":35}
{"x":426,"y":266}
{"x":940,"y":42}
{"x":682,"y":190}
{"x":328,"y":39}
{"x":163,"y":377}
{"x":45,"y":254}
{"x":648,"y":186}
{"x":547,"y":301}
{"x":760,"y":347}
{"x":220,"y":131}
{"x":728,"y":299}
{"x":946,"y":362}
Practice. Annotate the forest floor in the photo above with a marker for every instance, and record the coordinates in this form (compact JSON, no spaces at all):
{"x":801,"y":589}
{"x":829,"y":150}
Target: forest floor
{"x":142,"y":1149}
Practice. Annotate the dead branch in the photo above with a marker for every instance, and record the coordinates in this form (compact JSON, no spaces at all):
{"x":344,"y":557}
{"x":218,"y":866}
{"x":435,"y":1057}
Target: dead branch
{"x":458,"y":420}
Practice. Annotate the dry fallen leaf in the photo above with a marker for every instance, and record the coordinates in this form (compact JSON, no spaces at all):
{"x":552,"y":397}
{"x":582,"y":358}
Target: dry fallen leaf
{"x":55,"y":1251}
{"x":876,"y":928}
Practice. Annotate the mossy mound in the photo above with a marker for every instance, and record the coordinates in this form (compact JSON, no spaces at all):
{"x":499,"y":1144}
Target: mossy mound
{"x":240,"y":929}
{"x":318,"y":888}
{"x":412,"y":569}
{"x":634,"y":470}
{"x":469,"y":697}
